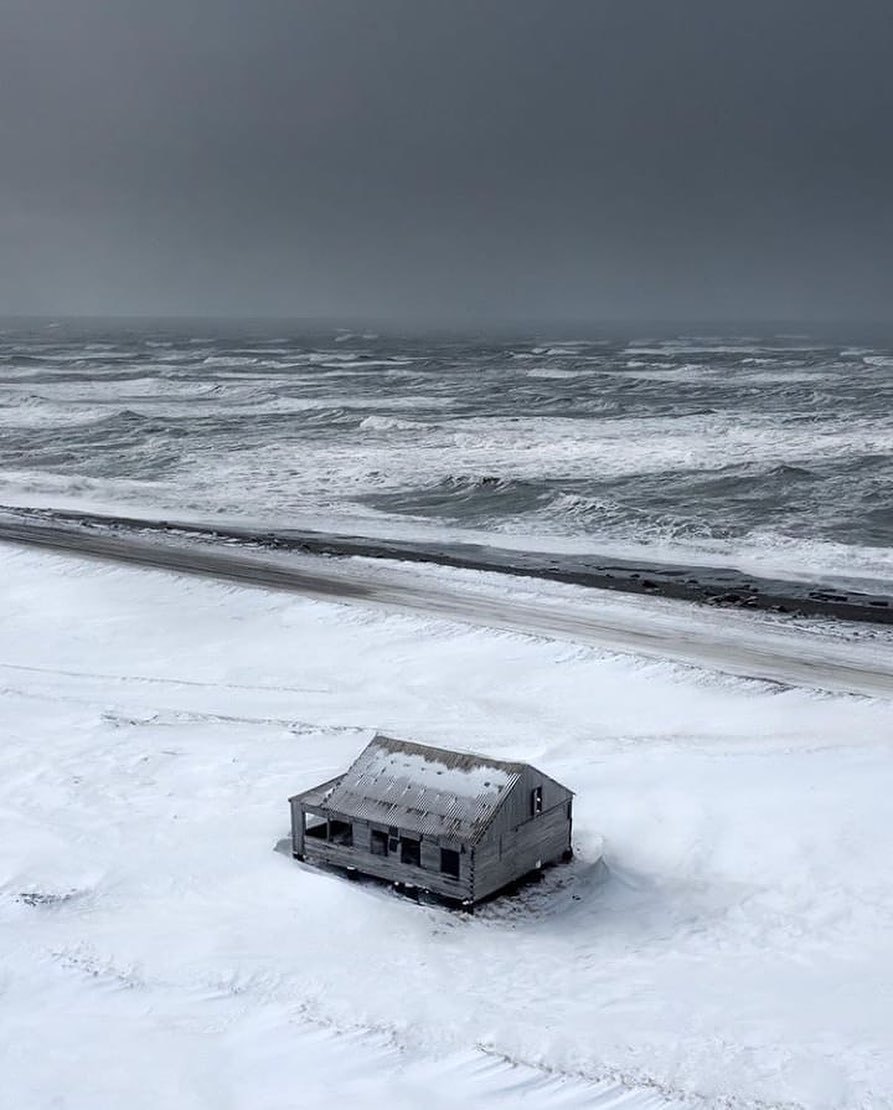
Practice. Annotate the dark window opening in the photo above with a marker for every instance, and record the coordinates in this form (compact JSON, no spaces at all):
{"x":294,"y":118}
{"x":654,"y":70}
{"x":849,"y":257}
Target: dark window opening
{"x":379,"y":843}
{"x":449,"y":862}
{"x":536,"y":801}
{"x":341,"y":832}
{"x":315,"y":826}
{"x":410,"y":851}
{"x":393,"y":843}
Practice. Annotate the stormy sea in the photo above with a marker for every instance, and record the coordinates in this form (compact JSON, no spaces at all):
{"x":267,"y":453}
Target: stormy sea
{"x":772,"y":452}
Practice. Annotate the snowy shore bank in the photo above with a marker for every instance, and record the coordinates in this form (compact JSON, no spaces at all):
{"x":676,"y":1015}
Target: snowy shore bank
{"x":154,"y":947}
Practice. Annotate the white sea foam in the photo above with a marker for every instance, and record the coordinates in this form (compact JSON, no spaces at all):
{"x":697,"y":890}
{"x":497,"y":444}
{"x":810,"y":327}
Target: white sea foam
{"x":376,"y":423}
{"x":697,"y":431}
{"x":32,"y":411}
{"x":116,"y":389}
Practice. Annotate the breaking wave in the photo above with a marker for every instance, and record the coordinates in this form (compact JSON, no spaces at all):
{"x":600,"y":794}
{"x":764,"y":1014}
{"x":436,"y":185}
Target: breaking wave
{"x":720,"y":444}
{"x":376,"y":423}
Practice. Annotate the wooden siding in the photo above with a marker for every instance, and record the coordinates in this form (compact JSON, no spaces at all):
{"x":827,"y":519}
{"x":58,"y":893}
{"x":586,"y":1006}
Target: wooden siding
{"x":359,"y":855}
{"x":515,"y":809}
{"x":504,"y":857}
{"x":518,"y":841}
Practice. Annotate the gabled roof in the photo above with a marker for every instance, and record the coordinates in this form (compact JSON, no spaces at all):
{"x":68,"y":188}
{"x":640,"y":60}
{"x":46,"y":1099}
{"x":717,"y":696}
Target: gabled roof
{"x":422,"y":789}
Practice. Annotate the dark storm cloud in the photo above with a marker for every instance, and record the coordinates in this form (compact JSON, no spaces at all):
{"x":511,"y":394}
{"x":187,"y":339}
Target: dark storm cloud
{"x":440,"y":161}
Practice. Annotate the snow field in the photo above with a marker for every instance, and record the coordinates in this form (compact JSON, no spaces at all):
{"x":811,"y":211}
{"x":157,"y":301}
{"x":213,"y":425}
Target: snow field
{"x":732,"y":951}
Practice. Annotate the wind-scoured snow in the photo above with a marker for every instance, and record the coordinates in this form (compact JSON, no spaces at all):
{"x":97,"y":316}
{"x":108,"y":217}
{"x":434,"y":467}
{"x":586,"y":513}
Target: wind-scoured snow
{"x":721,"y":939}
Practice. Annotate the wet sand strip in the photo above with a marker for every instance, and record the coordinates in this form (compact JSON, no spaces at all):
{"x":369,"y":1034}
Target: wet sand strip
{"x":723,"y":587}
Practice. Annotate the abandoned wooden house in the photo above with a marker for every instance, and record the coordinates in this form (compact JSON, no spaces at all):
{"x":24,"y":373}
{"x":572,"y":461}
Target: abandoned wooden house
{"x":457,"y":825}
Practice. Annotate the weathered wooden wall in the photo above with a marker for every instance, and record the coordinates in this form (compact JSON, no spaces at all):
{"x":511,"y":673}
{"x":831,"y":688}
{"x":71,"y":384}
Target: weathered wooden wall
{"x":516,"y":807}
{"x":517,"y":841}
{"x":503,"y":857}
{"x":359,"y":855}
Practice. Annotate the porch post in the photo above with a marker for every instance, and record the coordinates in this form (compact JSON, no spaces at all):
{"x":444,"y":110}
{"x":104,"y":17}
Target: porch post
{"x":297,"y":829}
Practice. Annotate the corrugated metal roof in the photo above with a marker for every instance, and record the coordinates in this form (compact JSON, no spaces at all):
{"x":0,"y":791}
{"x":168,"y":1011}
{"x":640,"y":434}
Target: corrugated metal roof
{"x":317,"y":795}
{"x":422,"y":789}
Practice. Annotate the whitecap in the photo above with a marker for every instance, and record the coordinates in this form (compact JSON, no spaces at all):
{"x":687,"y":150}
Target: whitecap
{"x":546,"y":372}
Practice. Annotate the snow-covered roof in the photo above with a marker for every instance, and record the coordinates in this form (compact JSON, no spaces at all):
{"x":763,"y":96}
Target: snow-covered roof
{"x":423,"y":789}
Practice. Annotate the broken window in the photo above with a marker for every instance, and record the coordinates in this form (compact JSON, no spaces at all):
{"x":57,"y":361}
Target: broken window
{"x":410,"y":851}
{"x":379,"y":843}
{"x":449,"y":862}
{"x":341,"y":832}
{"x":315,"y":826}
{"x":536,"y":801}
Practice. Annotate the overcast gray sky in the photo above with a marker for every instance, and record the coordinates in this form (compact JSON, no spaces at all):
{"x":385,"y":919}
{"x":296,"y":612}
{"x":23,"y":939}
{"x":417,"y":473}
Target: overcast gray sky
{"x":448,"y":160}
